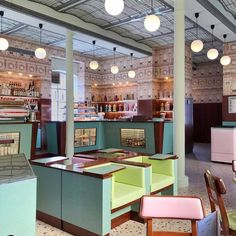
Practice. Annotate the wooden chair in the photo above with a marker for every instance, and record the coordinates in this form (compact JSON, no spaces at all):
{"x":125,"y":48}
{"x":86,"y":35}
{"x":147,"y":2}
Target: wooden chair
{"x":215,"y":189}
{"x":234,"y":170}
{"x":171,"y":207}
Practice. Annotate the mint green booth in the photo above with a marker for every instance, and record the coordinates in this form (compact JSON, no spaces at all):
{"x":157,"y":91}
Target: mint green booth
{"x":162,"y":174}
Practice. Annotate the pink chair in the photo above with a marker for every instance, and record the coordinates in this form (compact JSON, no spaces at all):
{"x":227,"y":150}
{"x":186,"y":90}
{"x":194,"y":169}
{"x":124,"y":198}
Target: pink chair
{"x":234,"y":170}
{"x":171,"y":207}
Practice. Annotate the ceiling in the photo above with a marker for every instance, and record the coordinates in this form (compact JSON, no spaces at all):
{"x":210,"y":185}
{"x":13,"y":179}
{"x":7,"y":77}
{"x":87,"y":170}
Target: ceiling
{"x":129,"y":24}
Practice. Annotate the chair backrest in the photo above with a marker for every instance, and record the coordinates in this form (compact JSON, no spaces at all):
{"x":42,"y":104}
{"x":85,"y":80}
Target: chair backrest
{"x":215,"y":189}
{"x":172,"y":207}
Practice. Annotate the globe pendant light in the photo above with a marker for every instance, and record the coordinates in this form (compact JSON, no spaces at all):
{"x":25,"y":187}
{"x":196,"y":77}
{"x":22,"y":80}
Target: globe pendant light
{"x":197,"y":44}
{"x":212,"y":53}
{"x":93,"y":64}
{"x":40,"y":52}
{"x":131,"y":73}
{"x":114,"y":7}
{"x":152,"y":22}
{"x":3,"y":42}
{"x":114,"y":68}
{"x":225,"y":60}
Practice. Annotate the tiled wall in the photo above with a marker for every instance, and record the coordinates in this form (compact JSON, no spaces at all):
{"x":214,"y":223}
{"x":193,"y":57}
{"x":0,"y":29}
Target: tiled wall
{"x":207,"y":83}
{"x":229,"y":72}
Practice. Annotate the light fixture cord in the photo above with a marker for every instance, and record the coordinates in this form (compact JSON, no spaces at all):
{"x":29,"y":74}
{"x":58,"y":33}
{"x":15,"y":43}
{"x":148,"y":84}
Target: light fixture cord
{"x":1,"y":24}
{"x":93,"y":49}
{"x":131,"y":58}
{"x":197,"y":27}
{"x":114,"y":56}
{"x":40,"y":36}
{"x":212,"y":37}
{"x":152,"y":5}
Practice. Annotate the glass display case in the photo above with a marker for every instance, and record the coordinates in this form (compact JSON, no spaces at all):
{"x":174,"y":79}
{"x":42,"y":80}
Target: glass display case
{"x":9,"y":143}
{"x":133,"y":138}
{"x":85,"y":137}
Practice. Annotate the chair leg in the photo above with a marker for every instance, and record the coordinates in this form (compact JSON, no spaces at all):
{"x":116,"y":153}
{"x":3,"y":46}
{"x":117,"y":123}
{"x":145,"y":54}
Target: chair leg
{"x":194,"y":227}
{"x":149,"y":227}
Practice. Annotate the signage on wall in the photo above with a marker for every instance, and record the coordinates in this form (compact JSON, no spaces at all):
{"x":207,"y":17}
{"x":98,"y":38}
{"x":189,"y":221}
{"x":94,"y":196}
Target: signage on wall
{"x":55,"y":77}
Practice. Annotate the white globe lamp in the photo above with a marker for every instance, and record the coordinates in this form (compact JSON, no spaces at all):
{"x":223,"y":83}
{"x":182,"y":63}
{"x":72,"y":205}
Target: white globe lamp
{"x":114,"y":7}
{"x":131,"y":74}
{"x":40,"y":53}
{"x":3,"y":44}
{"x":212,"y":54}
{"x":114,"y":70}
{"x":152,"y":23}
{"x":225,"y":60}
{"x":93,"y":65}
{"x":197,"y":45}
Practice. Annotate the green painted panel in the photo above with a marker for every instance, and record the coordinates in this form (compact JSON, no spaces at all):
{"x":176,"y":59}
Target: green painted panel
{"x":25,"y":130}
{"x":229,"y":123}
{"x":168,"y":138}
{"x":48,"y":190}
{"x":51,"y":130}
{"x":86,"y":202}
{"x":112,"y":135}
{"x":99,"y":139}
{"x":18,"y":208}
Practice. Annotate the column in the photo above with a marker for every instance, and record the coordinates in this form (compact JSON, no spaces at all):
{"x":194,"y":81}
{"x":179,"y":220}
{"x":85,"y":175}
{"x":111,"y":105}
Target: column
{"x":69,"y":96}
{"x":179,"y":90}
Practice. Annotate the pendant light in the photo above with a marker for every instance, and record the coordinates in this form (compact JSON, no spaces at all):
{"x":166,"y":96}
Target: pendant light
{"x":114,"y":7}
{"x":131,"y":73}
{"x":152,"y":22}
{"x":40,"y":53}
{"x":225,"y":60}
{"x":212,"y":53}
{"x":93,"y":64}
{"x":3,"y":42}
{"x":114,"y":68}
{"x":197,"y":44}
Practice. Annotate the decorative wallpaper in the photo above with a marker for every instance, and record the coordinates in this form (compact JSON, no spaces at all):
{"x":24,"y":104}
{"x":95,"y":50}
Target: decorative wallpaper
{"x":229,"y":72}
{"x":207,"y":83}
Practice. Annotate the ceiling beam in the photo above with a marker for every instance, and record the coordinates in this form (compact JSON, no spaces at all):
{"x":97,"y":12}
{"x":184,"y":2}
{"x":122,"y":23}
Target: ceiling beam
{"x":218,"y":14}
{"x":15,"y":28}
{"x":73,"y":23}
{"x":138,"y":17}
{"x":70,"y":4}
{"x":56,"y":41}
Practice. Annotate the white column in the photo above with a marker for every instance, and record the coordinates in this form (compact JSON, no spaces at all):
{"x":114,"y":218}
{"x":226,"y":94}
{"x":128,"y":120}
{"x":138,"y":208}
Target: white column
{"x":69,"y":96}
{"x":179,"y":90}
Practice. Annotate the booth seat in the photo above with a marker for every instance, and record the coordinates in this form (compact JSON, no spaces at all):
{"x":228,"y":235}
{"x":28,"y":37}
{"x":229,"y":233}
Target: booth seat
{"x":162,"y":174}
{"x":128,"y":185}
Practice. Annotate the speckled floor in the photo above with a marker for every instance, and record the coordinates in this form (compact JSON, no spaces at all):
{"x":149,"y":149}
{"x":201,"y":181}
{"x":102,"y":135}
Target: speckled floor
{"x":195,"y":166}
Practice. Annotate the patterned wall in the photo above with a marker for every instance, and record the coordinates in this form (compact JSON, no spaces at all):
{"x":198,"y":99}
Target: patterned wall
{"x":229,"y":72}
{"x":207,"y":83}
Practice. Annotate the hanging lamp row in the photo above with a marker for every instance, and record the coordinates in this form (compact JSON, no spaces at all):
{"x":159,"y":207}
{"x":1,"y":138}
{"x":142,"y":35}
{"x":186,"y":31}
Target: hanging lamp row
{"x":197,"y":46}
{"x":115,"y":7}
{"x":40,"y":52}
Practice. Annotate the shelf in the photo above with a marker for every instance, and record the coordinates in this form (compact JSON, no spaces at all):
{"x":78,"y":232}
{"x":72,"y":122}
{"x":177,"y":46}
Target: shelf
{"x":23,"y":97}
{"x":121,"y":112}
{"x":120,"y":101}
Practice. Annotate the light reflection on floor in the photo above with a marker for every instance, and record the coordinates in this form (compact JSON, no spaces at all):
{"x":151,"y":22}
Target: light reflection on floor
{"x":195,"y":166}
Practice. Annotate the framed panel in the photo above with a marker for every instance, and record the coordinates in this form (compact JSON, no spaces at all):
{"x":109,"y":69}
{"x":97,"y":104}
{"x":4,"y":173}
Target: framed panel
{"x":9,"y":143}
{"x":85,"y":137}
{"x":232,"y":104}
{"x":133,"y":138}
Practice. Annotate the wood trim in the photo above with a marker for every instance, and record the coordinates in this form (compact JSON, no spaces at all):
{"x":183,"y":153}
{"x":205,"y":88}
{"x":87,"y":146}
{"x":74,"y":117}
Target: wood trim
{"x":61,"y":138}
{"x":132,"y":163}
{"x":158,"y":136}
{"x":51,"y":220}
{"x":76,"y":230}
{"x":162,"y":189}
{"x":120,"y":219}
{"x":167,"y":233}
{"x":124,"y":206}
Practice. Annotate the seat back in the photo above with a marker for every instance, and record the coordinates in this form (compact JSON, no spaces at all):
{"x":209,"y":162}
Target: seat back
{"x":215,"y":188}
{"x":172,"y":207}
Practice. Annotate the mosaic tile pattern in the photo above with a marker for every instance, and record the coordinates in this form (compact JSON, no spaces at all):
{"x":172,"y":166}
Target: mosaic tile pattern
{"x":196,"y":164}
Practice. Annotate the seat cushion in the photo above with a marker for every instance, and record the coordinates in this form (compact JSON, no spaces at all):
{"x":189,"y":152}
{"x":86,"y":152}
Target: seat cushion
{"x":124,"y":193}
{"x":160,"y":181}
{"x":232,"y":219}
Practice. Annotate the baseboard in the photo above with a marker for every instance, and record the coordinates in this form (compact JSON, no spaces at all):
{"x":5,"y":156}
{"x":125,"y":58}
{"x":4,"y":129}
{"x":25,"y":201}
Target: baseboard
{"x":51,"y":220}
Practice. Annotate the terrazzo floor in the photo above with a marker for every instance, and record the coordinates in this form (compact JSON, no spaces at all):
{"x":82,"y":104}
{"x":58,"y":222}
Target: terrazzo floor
{"x":196,"y":164}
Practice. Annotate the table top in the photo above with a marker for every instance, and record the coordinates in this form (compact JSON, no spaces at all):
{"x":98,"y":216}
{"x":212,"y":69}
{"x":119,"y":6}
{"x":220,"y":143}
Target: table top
{"x":163,"y":157}
{"x":49,"y":160}
{"x":15,"y":168}
{"x":105,"y":169}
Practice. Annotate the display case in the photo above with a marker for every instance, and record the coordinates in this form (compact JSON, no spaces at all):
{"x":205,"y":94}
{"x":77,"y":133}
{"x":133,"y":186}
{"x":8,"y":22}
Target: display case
{"x":9,"y":143}
{"x":85,"y":137}
{"x":82,"y":112}
{"x":232,"y":104}
{"x":132,"y":138}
